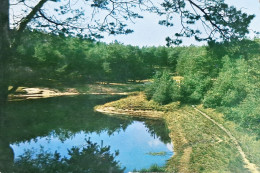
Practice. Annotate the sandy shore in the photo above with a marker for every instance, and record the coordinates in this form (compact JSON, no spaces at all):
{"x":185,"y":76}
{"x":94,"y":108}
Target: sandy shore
{"x":35,"y":93}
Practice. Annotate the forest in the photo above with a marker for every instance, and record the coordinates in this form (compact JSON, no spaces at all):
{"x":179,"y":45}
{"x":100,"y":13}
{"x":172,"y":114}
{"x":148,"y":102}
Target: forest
{"x":223,"y":75}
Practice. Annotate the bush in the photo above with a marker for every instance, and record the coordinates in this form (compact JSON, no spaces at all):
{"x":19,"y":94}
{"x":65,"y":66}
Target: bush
{"x":163,"y":90}
{"x":247,"y":113}
{"x":193,"y":88}
{"x":151,"y":87}
{"x":231,"y":86}
{"x":162,"y":93}
{"x":153,"y":168}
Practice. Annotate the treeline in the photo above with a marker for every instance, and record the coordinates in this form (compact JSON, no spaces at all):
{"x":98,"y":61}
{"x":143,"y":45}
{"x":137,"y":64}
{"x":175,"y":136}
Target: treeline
{"x":220,"y":75}
{"x":43,"y":58}
{"x":225,"y":76}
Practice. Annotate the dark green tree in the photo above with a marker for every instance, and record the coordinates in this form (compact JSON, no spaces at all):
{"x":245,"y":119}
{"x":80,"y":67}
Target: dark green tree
{"x":163,"y":89}
{"x":194,"y":87}
{"x":230,"y":88}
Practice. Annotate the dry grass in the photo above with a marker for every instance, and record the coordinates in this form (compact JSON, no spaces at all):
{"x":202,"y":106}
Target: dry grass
{"x":138,"y":101}
{"x":248,"y":141}
{"x":114,"y":88}
{"x":212,"y":150}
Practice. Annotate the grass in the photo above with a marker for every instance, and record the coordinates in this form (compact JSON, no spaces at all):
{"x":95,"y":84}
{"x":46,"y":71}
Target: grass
{"x":178,"y":79}
{"x":153,"y":168}
{"x":136,"y":105}
{"x":162,"y":153}
{"x":248,"y":141}
{"x":115,"y":87}
{"x":199,"y":145}
{"x":137,"y":101}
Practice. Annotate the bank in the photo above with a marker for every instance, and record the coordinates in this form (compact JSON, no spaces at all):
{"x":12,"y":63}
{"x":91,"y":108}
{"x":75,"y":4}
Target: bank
{"x":200,"y":145}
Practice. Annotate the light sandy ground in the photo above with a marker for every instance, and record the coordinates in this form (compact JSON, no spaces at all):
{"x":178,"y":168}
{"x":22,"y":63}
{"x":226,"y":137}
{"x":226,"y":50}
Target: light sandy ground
{"x":35,"y":93}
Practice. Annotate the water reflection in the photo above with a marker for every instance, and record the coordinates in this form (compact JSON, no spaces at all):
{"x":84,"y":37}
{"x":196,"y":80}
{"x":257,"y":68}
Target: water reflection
{"x":29,"y":123}
{"x":87,"y":159}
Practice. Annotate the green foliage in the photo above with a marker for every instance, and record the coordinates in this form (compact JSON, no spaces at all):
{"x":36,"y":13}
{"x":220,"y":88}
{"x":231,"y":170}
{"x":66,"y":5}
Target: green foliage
{"x":197,"y":68}
{"x":46,"y":57}
{"x":161,"y":54}
{"x":236,"y":89}
{"x":153,"y":168}
{"x":218,"y":75}
{"x":230,"y":88}
{"x":151,"y":87}
{"x":173,"y":56}
{"x":247,"y":113}
{"x":193,"y":88}
{"x":231,"y":27}
{"x":163,"y":90}
{"x":196,"y":60}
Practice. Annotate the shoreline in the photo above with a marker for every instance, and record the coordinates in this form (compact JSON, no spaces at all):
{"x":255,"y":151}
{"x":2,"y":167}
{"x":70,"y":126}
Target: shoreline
{"x":130,"y":112}
{"x":24,"y":93}
{"x":36,"y":93}
{"x":191,"y":134}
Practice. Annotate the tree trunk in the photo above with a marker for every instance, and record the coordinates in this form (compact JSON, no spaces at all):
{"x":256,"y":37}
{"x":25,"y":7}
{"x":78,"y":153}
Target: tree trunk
{"x":6,"y":156}
{"x":4,"y":53}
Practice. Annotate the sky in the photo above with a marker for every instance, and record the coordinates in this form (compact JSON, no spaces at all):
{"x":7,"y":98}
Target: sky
{"x":147,"y":31}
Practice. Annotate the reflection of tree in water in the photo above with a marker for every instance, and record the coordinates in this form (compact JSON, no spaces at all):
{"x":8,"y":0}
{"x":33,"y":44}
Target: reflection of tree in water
{"x":63,"y":116}
{"x":6,"y":155}
{"x":91,"y":158}
{"x":159,"y":129}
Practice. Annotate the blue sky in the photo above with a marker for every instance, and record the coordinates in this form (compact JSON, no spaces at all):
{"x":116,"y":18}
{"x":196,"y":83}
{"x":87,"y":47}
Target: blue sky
{"x":147,"y":31}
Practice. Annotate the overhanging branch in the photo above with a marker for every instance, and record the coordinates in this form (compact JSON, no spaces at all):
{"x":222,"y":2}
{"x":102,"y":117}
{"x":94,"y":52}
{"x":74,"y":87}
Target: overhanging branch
{"x":29,"y":17}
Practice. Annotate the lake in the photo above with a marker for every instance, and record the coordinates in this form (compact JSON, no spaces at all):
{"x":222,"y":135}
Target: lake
{"x":65,"y":134}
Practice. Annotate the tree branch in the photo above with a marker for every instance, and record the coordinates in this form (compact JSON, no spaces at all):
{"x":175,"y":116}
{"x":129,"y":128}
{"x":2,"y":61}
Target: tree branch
{"x":206,"y":14}
{"x":29,"y":17}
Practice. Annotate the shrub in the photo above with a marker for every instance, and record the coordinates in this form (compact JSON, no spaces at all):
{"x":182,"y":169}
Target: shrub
{"x":231,"y":86}
{"x":163,"y":90}
{"x":193,"y":88}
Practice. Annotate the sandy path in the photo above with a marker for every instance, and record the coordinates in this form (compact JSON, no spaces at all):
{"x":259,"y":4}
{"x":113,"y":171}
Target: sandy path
{"x":250,"y":166}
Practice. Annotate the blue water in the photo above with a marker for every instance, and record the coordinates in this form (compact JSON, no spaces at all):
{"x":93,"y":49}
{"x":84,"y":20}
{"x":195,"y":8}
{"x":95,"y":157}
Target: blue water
{"x":43,"y":127}
{"x":134,"y":143}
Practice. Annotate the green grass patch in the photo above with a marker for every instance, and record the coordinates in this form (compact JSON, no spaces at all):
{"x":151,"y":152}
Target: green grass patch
{"x":138,"y":101}
{"x":162,"y":153}
{"x":153,"y":168}
{"x":248,"y":140}
{"x":115,"y":87}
